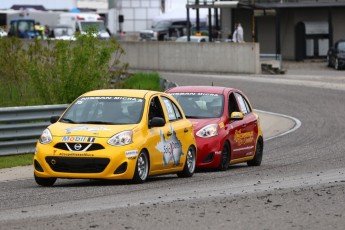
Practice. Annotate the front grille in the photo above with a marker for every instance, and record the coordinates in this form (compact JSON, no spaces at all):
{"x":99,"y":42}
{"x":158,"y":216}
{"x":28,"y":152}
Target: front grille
{"x":83,"y":146}
{"x":77,"y":164}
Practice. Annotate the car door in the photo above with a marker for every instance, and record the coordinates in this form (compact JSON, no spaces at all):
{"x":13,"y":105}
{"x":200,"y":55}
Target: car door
{"x":237,"y":127}
{"x":176,"y":133}
{"x":156,"y":138}
{"x":249,"y":131}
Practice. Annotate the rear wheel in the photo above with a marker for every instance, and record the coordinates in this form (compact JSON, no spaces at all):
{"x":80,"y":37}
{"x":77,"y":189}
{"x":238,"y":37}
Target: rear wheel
{"x":45,"y":181}
{"x":142,"y":169}
{"x":258,"y":154}
{"x":189,"y":166}
{"x":225,"y":157}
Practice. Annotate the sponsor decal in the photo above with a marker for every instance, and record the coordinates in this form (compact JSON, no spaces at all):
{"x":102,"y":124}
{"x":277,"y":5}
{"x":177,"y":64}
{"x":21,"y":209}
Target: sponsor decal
{"x":86,"y":128}
{"x":110,"y":98}
{"x":249,"y":153}
{"x":73,"y":154}
{"x":170,"y":148}
{"x":198,"y":94}
{"x":78,"y":139}
{"x":243,"y":138}
{"x":131,"y":154}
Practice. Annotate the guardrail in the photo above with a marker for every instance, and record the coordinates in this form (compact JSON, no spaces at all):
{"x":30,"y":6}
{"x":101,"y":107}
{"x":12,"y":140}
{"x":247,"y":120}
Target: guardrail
{"x":20,"y":127}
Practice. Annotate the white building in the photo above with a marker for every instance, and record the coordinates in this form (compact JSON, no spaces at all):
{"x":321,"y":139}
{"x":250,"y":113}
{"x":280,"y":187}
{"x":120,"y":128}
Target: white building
{"x":138,"y":14}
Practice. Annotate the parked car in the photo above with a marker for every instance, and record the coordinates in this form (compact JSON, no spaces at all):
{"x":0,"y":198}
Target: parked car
{"x":227,"y":130}
{"x":163,"y":30}
{"x":336,"y":55}
{"x":22,"y":28}
{"x":116,"y":134}
{"x":193,"y":39}
{"x":3,"y":33}
{"x":61,"y":32}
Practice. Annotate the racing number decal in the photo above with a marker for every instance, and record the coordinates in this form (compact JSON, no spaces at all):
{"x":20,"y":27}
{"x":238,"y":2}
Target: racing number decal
{"x":171,"y":148}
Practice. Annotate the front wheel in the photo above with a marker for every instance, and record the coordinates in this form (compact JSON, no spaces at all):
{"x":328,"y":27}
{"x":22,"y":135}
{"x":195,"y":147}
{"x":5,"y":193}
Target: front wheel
{"x":45,"y":181}
{"x":142,"y":168}
{"x":189,"y":166}
{"x":258,"y":154}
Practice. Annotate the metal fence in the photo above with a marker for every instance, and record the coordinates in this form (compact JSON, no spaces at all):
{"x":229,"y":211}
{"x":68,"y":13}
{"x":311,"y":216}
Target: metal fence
{"x":20,"y":127}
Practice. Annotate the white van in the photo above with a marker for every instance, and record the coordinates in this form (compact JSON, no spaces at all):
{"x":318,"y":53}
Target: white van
{"x":81,"y":21}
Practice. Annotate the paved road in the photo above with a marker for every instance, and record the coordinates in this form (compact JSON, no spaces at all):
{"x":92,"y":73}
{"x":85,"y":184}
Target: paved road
{"x":300,"y":185}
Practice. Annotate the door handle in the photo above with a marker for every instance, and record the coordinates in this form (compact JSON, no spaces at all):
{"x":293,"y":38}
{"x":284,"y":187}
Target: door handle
{"x":169,"y":133}
{"x":244,"y":125}
{"x":255,"y":123}
{"x":185,"y":130}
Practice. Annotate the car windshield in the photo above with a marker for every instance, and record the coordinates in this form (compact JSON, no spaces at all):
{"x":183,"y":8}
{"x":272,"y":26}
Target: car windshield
{"x":63,"y":31}
{"x":341,"y":46}
{"x":200,"y":105}
{"x":163,"y":24}
{"x":99,"y":26}
{"x":105,"y":110}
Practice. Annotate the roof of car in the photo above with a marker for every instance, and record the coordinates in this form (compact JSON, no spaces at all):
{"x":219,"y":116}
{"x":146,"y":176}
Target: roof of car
{"x":121,"y":92}
{"x":199,"y":89}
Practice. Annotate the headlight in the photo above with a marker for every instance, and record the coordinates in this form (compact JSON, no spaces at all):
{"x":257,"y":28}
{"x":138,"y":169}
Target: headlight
{"x":46,"y":137}
{"x":208,"y":131}
{"x":155,"y":34}
{"x":123,"y":138}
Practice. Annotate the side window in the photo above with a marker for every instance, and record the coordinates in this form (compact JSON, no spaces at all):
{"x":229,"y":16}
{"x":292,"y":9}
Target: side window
{"x":155,"y":109}
{"x":233,"y":107}
{"x":244,"y":105}
{"x":172,"y":110}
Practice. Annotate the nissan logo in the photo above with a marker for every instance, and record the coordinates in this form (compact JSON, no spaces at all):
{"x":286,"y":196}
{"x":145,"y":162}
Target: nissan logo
{"x":77,"y":147}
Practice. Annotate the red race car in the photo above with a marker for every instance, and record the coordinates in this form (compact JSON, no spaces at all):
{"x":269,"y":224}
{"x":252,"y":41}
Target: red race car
{"x":226,"y":129}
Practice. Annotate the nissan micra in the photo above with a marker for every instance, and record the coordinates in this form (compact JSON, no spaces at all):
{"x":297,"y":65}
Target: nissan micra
{"x":116,"y":134}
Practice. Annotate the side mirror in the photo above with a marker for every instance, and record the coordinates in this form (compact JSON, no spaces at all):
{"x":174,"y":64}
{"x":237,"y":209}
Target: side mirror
{"x":54,"y":119}
{"x":236,"y":116}
{"x":156,"y":122}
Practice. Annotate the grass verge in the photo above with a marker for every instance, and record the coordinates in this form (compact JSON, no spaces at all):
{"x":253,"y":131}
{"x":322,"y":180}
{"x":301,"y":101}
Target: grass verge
{"x":16,"y":160}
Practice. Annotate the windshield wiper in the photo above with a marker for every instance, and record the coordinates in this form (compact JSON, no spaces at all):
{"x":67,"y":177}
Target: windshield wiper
{"x":68,"y":120}
{"x":187,"y":116}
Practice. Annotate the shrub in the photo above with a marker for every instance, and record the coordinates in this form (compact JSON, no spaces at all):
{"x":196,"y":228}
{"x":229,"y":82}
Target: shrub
{"x":56,"y":72}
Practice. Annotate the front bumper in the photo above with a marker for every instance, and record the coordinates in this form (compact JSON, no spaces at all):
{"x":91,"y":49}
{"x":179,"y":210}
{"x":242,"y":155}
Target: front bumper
{"x":108,"y":163}
{"x":209,"y":152}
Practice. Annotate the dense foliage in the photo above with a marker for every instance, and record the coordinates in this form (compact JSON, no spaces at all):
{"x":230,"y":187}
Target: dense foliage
{"x":36,"y":72}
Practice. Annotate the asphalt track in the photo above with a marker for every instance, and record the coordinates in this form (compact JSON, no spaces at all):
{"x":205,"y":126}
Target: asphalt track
{"x":300,"y":185}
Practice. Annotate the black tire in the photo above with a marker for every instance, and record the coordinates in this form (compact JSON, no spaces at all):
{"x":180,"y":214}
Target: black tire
{"x":336,"y":64}
{"x":142,"y":168}
{"x":328,"y":62}
{"x":189,"y":166}
{"x":225,"y":158}
{"x":45,"y":181}
{"x":258,"y":154}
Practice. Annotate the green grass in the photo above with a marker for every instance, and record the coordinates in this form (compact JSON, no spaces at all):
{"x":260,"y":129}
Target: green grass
{"x":16,"y":160}
{"x":149,"y":81}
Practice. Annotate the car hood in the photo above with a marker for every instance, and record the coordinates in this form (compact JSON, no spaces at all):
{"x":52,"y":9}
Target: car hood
{"x":88,"y":130}
{"x":200,"y":123}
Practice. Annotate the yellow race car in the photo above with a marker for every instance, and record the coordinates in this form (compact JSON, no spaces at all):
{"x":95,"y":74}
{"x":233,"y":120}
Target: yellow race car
{"x":116,"y":134}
